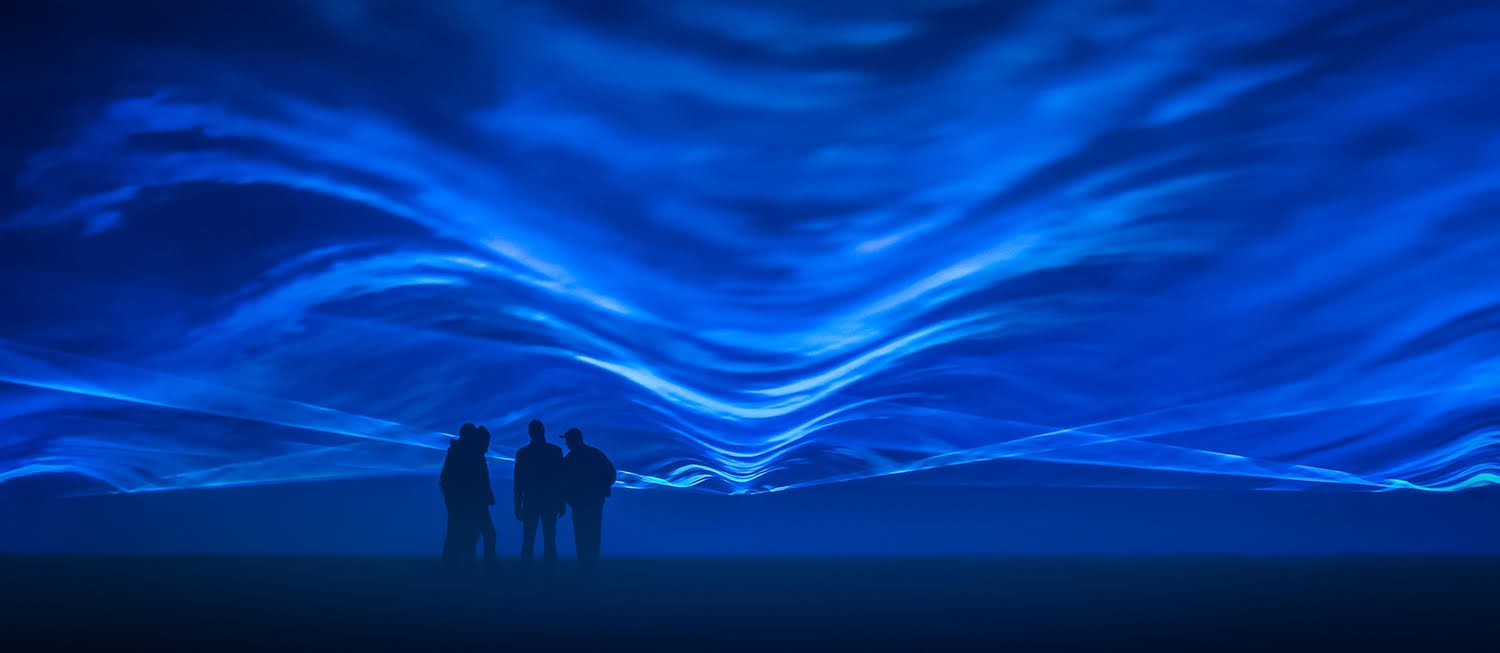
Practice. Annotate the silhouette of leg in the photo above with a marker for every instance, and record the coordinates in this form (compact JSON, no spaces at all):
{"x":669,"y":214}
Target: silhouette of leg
{"x":596,"y":533}
{"x":450,"y":539}
{"x":470,"y":537}
{"x":586,"y":527}
{"x":580,"y":535}
{"x":487,"y":532}
{"x":528,"y":537}
{"x":549,"y":540}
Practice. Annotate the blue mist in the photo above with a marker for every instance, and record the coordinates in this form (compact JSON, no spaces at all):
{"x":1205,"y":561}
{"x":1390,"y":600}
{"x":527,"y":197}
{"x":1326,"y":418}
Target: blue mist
{"x":751,"y":247}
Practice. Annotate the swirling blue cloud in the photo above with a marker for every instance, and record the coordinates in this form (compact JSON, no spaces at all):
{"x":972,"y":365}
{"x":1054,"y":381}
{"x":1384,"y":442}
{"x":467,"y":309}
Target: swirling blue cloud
{"x":754,"y":246}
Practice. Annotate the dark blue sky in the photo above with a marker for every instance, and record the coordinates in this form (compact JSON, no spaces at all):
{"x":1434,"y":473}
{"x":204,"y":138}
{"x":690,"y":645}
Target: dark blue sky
{"x":752,"y":246}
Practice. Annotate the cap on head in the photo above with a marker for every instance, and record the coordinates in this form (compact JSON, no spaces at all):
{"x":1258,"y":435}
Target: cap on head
{"x":536,"y":429}
{"x":573,"y":435}
{"x":467,"y":431}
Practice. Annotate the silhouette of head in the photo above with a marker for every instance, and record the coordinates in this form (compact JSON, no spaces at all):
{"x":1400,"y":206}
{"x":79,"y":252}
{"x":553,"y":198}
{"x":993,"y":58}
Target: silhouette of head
{"x":574,"y":438}
{"x":466,"y":432}
{"x":537,"y":431}
{"x":481,"y":439}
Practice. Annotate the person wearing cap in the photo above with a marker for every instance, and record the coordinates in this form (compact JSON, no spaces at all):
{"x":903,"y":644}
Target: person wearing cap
{"x":538,"y":493}
{"x":588,"y":476}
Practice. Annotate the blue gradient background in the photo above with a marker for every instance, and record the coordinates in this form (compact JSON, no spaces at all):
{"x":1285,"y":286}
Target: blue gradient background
{"x":750,"y":247}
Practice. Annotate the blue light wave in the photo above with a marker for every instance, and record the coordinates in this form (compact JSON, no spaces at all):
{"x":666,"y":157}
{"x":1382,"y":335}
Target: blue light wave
{"x":750,"y":247}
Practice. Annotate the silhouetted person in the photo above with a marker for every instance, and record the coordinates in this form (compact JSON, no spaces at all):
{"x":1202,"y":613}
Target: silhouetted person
{"x":538,"y":493}
{"x":483,"y":523}
{"x":465,"y":481}
{"x":587,"y":478}
{"x":453,"y":495}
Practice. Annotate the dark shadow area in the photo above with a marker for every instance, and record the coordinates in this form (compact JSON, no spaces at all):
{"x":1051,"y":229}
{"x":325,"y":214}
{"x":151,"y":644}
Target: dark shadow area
{"x":1202,"y":603}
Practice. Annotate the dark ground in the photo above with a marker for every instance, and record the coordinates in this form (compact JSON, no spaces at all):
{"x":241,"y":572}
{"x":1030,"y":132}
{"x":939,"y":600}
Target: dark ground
{"x":207,"y":603}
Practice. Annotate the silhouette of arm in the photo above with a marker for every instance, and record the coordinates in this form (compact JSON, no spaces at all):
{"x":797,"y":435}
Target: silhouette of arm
{"x":444,"y":478}
{"x":489,"y":492}
{"x":558,"y":482}
{"x":610,"y":473}
{"x":517,"y":493}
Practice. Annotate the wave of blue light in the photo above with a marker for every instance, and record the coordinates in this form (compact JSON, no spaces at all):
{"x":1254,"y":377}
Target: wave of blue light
{"x":758,"y":248}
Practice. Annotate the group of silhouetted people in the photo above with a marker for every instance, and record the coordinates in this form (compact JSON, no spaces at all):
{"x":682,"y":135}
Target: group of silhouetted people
{"x":546,"y":484}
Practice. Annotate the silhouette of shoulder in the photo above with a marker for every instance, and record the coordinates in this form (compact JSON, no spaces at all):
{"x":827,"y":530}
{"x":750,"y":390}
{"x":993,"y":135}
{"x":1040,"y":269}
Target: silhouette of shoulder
{"x":589,"y":472}
{"x":544,"y":450}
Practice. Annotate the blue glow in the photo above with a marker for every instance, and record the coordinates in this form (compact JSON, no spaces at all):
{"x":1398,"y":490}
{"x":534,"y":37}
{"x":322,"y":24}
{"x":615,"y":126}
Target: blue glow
{"x":758,"y":246}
